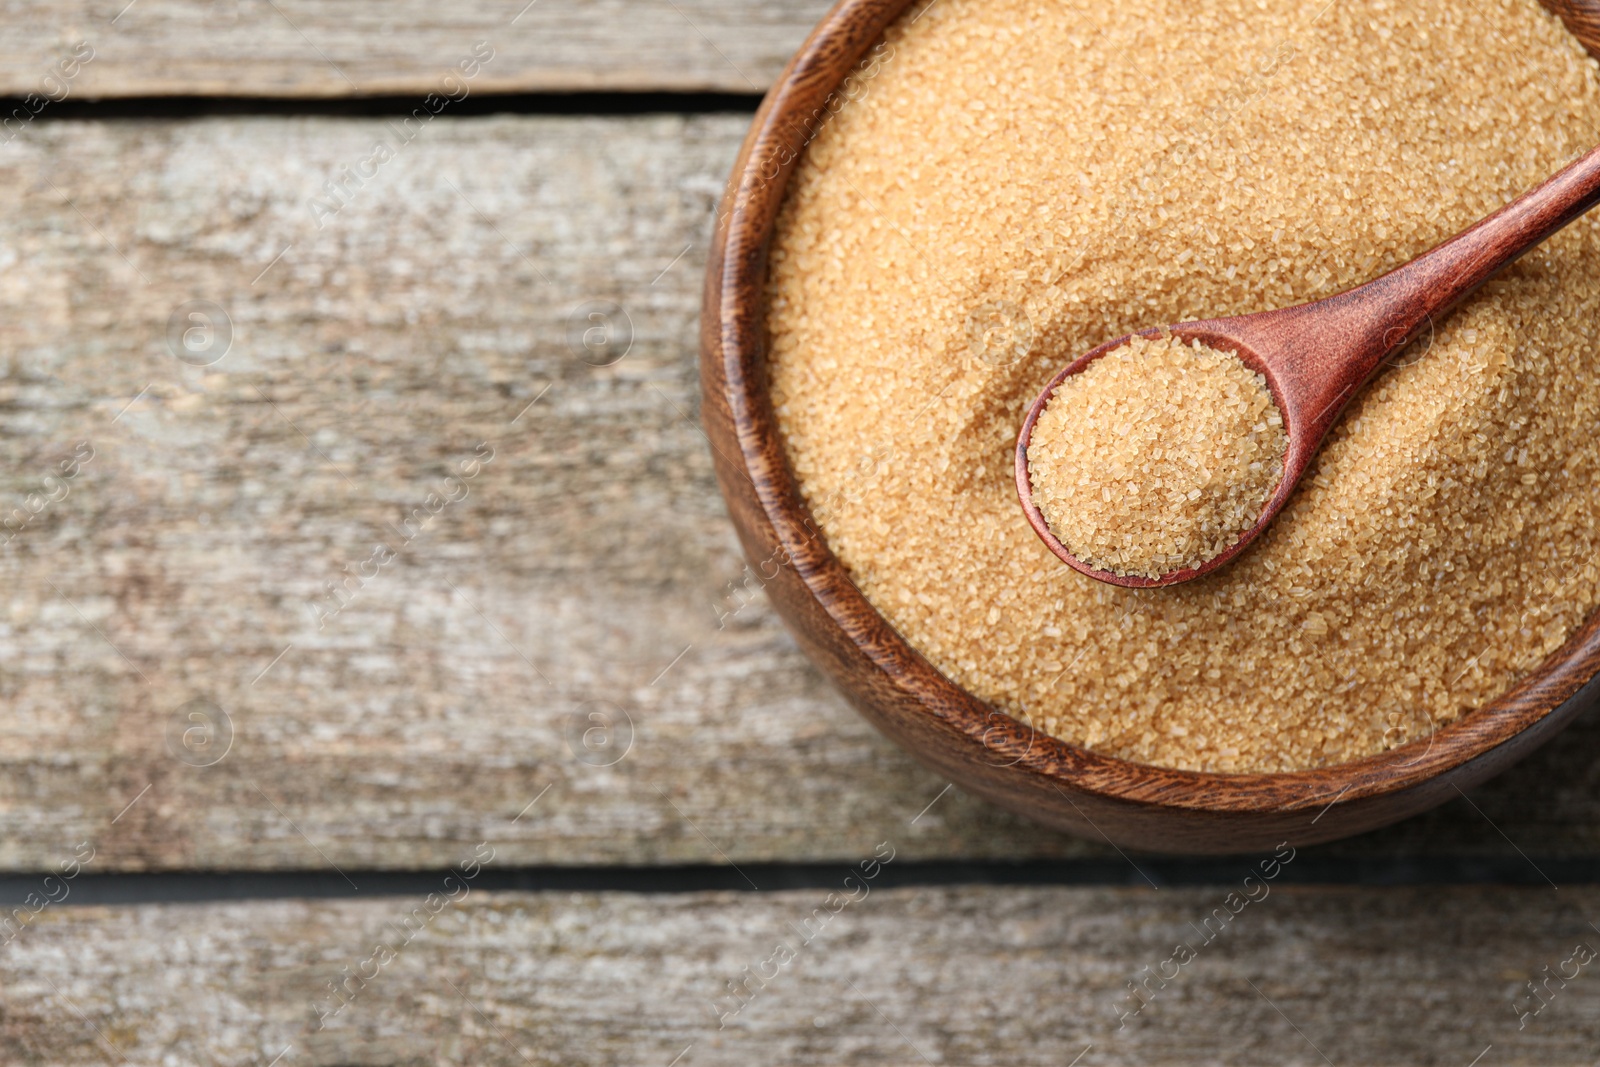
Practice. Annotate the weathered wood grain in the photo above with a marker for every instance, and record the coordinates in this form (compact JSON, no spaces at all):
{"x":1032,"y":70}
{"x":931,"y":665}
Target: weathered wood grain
{"x":341,"y":48}
{"x":970,"y":976}
{"x":370,"y":360}
{"x":347,"y":48}
{"x":590,"y":561}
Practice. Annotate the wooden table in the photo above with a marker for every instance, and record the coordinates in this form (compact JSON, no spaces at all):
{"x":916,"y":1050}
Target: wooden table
{"x":372,"y":693}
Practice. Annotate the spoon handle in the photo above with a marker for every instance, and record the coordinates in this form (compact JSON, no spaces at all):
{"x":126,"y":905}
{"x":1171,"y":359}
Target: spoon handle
{"x":1323,"y":352}
{"x":1425,"y":289}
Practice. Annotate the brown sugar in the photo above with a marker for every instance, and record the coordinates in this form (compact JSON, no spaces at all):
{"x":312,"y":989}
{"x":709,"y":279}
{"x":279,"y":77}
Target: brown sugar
{"x":1156,"y":456}
{"x":1062,"y":173}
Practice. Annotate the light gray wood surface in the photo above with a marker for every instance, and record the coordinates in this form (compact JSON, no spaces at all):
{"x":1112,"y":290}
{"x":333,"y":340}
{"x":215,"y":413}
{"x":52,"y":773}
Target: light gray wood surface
{"x":590,"y":560}
{"x":366,"y":363}
{"x":373,"y":349}
{"x":337,"y":48}
{"x":930,"y":976}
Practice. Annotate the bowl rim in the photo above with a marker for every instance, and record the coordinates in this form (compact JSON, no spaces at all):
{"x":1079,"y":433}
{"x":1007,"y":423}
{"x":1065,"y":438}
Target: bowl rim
{"x":737,"y":343}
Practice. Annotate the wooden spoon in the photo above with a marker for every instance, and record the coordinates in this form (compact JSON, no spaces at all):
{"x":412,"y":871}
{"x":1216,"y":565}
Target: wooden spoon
{"x":1316,"y":356}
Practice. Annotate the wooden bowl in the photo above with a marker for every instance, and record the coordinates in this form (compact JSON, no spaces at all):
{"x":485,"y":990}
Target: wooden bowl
{"x":903,"y":695}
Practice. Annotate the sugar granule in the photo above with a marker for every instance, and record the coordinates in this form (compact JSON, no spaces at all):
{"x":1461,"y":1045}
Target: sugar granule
{"x":1072,"y":171}
{"x":1156,"y":456}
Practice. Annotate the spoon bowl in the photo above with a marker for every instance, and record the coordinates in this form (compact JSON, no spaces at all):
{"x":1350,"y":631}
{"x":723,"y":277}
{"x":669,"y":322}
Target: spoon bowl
{"x":1213,"y":335}
{"x":1316,"y":357}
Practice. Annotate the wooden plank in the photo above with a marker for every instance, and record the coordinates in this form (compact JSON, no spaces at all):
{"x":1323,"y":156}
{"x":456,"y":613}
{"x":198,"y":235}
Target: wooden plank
{"x":907,"y":976}
{"x":589,"y":560}
{"x":346,"y":48}
{"x":373,"y":350}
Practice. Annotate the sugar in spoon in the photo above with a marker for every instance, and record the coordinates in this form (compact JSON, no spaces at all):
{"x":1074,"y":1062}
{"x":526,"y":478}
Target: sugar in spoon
{"x":1315,"y":357}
